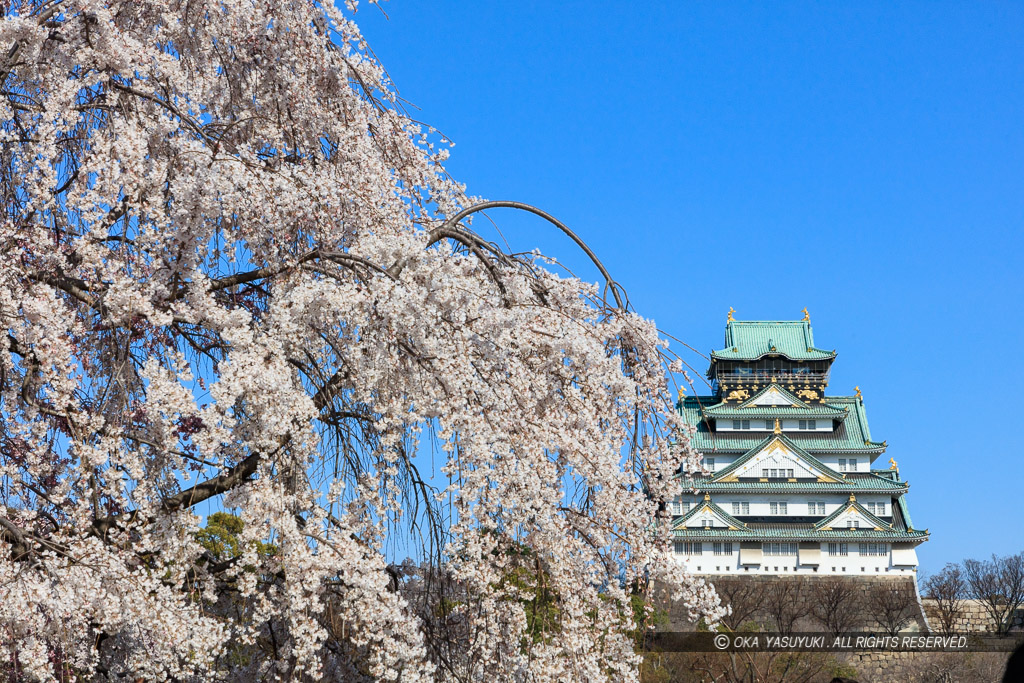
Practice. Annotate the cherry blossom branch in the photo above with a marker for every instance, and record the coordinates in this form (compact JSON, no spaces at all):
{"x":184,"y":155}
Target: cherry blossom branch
{"x":222,"y":483}
{"x":446,"y":230}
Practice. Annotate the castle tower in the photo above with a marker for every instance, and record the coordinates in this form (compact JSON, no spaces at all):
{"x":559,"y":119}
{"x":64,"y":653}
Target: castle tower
{"x":792,"y":485}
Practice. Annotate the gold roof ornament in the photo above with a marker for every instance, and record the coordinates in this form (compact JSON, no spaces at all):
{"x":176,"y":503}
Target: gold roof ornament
{"x":892,"y":463}
{"x":707,"y":497}
{"x":731,"y":311}
{"x":857,"y":389}
{"x":807,"y":316}
{"x":682,"y":393}
{"x":778,"y":426}
{"x":853,"y":498}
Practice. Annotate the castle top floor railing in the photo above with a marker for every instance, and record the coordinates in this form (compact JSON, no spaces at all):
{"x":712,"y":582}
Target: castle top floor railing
{"x":766,"y":376}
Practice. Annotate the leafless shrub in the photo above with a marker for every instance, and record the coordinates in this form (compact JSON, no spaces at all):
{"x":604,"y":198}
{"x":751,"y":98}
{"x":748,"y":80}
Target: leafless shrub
{"x":745,"y":597}
{"x":999,"y":585}
{"x":741,"y":667}
{"x":948,"y":589}
{"x":836,"y":605}
{"x":783,"y":604}
{"x":892,"y":607}
{"x":955,"y":667}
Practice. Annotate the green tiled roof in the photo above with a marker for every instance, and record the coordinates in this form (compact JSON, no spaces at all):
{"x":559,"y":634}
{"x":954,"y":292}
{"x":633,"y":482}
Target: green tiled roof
{"x":848,"y":485}
{"x":800,"y":410}
{"x":725,"y":411}
{"x":753,"y":339}
{"x":806,"y":534}
{"x":851,"y":436}
{"x":902,"y":503}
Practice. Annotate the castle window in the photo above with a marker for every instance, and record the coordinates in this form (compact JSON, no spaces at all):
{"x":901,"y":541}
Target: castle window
{"x":741,"y":508}
{"x":687,"y":548}
{"x":853,"y":524}
{"x":853,"y":464}
{"x":722,"y":548}
{"x":808,"y":424}
{"x":842,"y":464}
{"x":874,"y":549}
{"x":709,"y":463}
{"x":778,"y":508}
{"x":769,"y":425}
{"x":838,"y":549}
{"x":779,"y":548}
{"x":815,"y":508}
{"x":741,"y":424}
{"x":677,"y":507}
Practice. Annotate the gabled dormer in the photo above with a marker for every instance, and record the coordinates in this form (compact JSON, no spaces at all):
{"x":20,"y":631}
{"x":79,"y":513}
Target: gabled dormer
{"x":855,"y":516}
{"x":707,"y":515}
{"x":776,"y":404}
{"x":775,"y":396}
{"x":778,"y":458}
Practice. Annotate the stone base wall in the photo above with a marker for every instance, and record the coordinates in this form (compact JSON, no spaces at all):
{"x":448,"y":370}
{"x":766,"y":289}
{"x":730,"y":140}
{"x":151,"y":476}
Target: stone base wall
{"x":875,"y":666}
{"x":926,"y":667}
{"x":974,"y":618}
{"x":806,"y":596}
{"x":858,"y":667}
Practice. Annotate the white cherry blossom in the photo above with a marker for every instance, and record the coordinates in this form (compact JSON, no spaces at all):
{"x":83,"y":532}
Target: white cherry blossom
{"x":235,"y":277}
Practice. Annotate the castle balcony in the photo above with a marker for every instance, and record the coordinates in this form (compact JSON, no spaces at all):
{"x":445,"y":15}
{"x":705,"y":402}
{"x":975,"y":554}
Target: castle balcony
{"x":766,"y":376}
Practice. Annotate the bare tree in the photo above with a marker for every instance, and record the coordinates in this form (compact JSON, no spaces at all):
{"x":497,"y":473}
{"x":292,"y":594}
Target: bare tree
{"x":836,"y":604}
{"x":783,"y":603}
{"x":744,"y":596}
{"x":948,"y":589}
{"x":999,"y":585}
{"x":892,"y":606}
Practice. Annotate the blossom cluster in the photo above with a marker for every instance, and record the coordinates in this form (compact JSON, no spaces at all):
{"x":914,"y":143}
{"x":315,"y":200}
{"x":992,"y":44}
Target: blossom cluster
{"x":231,"y":279}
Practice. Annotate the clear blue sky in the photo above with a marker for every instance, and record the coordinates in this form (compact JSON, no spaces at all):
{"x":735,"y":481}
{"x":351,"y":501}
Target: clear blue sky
{"x":862,"y":159}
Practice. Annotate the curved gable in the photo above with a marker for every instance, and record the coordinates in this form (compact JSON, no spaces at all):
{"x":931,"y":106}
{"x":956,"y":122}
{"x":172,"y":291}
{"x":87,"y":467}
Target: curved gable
{"x":776,"y":453}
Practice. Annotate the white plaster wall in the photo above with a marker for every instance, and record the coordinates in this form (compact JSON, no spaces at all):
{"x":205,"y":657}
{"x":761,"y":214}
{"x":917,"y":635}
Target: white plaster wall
{"x":721,"y":461}
{"x":832,"y":460}
{"x":797,"y":503}
{"x":757,"y":424}
{"x":851,"y":564}
{"x":794,"y":426}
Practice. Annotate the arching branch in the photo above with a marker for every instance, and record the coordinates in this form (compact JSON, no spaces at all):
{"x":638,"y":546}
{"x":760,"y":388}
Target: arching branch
{"x":450,"y":225}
